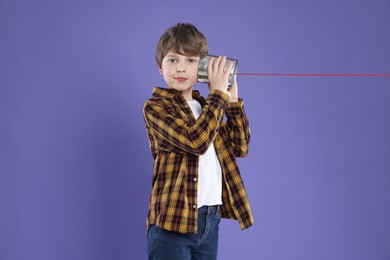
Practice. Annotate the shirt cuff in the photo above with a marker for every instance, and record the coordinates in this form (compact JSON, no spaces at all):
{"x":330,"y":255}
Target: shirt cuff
{"x":235,"y":108}
{"x":219,"y":97}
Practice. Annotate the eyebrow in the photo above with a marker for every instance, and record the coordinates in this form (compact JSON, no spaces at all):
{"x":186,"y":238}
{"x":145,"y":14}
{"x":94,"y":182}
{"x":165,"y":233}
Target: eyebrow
{"x":172,"y":56}
{"x":176,"y":56}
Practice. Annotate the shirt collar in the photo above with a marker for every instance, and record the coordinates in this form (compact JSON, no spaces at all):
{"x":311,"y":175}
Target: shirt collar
{"x":170,"y":93}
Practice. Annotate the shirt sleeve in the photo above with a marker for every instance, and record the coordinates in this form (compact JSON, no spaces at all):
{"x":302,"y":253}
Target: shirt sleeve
{"x":172,"y":130}
{"x":238,"y":128}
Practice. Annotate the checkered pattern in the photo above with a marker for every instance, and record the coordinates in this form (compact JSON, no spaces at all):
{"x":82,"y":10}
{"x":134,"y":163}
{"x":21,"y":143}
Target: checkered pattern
{"x":176,"y":140}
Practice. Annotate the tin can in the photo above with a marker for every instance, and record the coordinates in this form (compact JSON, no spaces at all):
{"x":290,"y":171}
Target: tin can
{"x":202,"y":69}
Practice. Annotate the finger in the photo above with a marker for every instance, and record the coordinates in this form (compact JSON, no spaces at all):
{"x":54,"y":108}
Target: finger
{"x":210,"y":66}
{"x":222,"y":65}
{"x":235,"y":81}
{"x":234,"y":92}
{"x":229,"y":67}
{"x":234,"y":87}
{"x":217,"y":64}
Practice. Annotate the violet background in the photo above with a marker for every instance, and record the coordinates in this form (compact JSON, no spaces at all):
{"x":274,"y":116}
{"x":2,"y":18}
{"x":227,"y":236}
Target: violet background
{"x":75,"y":167}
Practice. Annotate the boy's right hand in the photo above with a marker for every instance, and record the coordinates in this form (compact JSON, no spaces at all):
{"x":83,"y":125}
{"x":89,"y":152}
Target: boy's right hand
{"x":218,"y":75}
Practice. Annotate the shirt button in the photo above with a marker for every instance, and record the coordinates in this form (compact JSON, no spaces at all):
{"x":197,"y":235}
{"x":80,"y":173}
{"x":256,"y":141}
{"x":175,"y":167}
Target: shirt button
{"x":194,"y":206}
{"x":194,"y":179}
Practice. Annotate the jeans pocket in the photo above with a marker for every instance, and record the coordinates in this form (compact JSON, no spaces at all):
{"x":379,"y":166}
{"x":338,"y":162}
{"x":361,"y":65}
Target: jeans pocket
{"x":219,"y":214}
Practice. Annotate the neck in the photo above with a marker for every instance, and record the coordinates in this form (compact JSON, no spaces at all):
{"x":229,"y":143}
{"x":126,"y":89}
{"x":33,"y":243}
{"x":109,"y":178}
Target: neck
{"x":187,"y":94}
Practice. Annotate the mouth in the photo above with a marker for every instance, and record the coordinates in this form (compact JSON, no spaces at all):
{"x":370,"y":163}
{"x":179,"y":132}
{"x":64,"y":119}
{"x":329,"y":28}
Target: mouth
{"x":181,"y":79}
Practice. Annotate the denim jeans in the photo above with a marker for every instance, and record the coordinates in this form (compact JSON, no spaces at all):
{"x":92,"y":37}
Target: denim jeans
{"x":168,"y":245}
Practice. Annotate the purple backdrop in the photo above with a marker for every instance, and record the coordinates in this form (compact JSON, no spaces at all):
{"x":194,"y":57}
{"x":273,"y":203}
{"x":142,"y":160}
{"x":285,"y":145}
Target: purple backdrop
{"x":75,"y":169}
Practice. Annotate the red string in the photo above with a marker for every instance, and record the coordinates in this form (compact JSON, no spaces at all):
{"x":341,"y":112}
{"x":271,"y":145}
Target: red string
{"x":316,"y":74}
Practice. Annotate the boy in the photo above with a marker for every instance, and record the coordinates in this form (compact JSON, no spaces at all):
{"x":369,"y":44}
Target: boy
{"x":196,"y":180}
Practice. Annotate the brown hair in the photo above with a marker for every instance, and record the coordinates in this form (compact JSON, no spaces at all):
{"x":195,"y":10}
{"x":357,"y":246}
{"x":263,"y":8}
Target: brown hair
{"x":185,"y":39}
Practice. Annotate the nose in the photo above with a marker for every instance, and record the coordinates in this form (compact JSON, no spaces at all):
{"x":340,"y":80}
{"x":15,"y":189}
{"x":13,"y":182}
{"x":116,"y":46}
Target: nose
{"x":180,"y":67}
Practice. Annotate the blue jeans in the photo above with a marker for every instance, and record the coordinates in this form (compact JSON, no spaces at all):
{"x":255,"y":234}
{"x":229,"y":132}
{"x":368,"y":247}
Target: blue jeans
{"x":168,"y":245}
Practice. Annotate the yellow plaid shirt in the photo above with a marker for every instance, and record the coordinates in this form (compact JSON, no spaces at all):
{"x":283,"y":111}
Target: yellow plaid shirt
{"x":176,"y":140}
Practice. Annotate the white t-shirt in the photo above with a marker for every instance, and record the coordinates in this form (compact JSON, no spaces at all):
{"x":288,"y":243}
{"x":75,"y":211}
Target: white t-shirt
{"x":209,"y":170}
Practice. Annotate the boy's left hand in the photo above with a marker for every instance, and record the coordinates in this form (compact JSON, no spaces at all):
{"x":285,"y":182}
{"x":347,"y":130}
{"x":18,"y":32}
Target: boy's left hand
{"x":233,"y":91}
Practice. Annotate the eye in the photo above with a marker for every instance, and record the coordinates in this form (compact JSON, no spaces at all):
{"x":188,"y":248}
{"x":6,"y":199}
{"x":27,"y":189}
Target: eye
{"x":172,"y":60}
{"x":192,"y":60}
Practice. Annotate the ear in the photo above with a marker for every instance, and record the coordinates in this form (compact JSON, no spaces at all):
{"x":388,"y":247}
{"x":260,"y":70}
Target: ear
{"x":159,"y":69}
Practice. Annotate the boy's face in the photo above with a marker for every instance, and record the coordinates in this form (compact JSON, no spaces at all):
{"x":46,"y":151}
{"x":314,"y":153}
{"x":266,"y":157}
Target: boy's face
{"x":180,"y":72}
